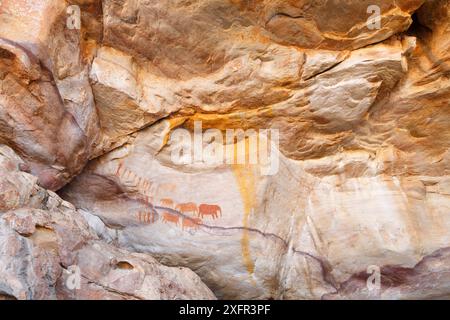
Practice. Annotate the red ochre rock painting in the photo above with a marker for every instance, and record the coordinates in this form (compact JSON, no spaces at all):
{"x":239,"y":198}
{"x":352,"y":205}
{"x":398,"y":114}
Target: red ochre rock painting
{"x":209,"y":210}
{"x":187,"y":222}
{"x":167,"y":202}
{"x":189,"y":207}
{"x":146,"y":217}
{"x":171,"y":218}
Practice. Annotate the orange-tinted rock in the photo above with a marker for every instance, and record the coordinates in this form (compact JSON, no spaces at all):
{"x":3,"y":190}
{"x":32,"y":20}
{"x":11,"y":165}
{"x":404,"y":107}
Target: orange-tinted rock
{"x":363,"y":119}
{"x":45,"y":243}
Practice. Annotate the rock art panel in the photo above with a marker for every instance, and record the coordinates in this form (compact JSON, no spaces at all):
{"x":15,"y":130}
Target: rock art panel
{"x":303,"y":253}
{"x":44,"y":238}
{"x":355,"y":96}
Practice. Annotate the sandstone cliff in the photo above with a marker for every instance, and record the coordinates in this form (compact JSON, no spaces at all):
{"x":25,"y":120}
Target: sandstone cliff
{"x":360,"y":104}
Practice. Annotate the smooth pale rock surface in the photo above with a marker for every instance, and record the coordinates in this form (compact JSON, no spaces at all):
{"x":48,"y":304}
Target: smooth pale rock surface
{"x":363,"y":117}
{"x":43,"y":236}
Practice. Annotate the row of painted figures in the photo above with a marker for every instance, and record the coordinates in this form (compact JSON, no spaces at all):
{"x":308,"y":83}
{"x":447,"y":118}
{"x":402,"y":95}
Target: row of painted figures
{"x":201,"y":211}
{"x":149,"y":217}
{"x":190,"y":214}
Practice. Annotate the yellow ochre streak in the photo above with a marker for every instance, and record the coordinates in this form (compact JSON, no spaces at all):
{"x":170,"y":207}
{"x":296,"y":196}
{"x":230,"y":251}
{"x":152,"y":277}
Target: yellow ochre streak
{"x":247,"y":186}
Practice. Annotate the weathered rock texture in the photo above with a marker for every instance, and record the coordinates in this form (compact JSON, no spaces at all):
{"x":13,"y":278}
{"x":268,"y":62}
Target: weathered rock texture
{"x":363,"y":116}
{"x":41,"y":236}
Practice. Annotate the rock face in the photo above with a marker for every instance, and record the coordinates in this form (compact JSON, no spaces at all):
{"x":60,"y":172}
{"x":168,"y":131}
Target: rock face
{"x":44,"y":238}
{"x":358,"y":107}
{"x":47,"y":108}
